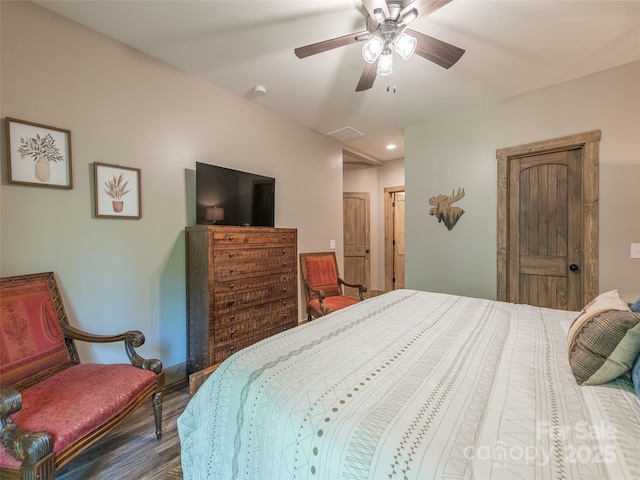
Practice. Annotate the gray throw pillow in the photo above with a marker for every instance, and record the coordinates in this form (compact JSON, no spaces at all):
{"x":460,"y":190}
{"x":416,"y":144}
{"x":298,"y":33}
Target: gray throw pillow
{"x":635,"y":375}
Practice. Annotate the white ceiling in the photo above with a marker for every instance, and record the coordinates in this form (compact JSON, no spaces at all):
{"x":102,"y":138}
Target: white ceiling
{"x":512,"y":47}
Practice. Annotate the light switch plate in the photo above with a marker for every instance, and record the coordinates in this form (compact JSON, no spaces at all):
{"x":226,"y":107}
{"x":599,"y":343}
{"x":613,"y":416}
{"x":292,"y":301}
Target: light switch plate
{"x":635,"y":250}
{"x":332,"y":244}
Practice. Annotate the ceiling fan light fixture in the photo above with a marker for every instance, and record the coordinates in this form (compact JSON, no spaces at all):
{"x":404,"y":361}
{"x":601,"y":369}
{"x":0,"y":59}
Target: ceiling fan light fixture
{"x":379,"y":15}
{"x":405,"y":45}
{"x":409,"y":16}
{"x":372,"y":49}
{"x":385,"y":62}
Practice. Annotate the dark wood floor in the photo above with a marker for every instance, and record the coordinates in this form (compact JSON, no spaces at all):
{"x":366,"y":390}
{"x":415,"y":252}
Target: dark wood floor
{"x":131,"y":451}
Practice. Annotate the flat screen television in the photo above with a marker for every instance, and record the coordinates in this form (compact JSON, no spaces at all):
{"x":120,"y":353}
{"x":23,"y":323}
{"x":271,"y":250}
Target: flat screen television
{"x":230,"y":197}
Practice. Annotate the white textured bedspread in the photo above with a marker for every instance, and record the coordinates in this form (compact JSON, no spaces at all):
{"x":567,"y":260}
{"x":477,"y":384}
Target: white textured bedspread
{"x":412,"y":385}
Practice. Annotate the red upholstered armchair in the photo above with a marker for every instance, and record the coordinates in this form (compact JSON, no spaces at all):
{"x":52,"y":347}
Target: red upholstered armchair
{"x":323,"y":284}
{"x":52,"y":407}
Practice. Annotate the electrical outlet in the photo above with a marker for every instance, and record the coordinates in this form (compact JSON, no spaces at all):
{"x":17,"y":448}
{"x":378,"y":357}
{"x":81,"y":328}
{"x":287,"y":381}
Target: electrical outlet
{"x":332,"y":244}
{"x":635,"y":250}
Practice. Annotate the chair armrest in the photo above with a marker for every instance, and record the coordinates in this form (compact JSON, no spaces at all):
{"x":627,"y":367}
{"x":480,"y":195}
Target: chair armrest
{"x":131,"y":339}
{"x":10,"y":402}
{"x":320,"y":294}
{"x":27,"y":447}
{"x":361,"y":288}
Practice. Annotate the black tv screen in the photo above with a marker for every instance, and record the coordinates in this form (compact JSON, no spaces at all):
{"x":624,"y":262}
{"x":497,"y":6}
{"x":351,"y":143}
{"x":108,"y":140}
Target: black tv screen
{"x":230,"y":197}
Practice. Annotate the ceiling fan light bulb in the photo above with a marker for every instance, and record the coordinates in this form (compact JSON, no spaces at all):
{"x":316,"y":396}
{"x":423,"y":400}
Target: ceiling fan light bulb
{"x":405,"y":45}
{"x":372,"y":48}
{"x":385,"y":63}
{"x":410,"y":16}
{"x":379,"y":15}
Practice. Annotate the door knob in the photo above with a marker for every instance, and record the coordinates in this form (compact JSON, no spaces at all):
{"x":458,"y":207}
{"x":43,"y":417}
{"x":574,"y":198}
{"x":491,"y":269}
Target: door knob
{"x":573,"y":267}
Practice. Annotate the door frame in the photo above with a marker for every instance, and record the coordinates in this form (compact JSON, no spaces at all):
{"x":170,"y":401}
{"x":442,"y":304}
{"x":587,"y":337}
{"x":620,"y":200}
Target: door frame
{"x":589,"y":143}
{"x":388,"y":235}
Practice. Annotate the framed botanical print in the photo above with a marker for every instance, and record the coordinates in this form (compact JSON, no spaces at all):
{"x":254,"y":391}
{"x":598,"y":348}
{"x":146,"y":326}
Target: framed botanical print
{"x":117,"y":191}
{"x":38,"y":154}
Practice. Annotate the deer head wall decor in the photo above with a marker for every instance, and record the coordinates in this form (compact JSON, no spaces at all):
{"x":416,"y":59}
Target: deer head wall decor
{"x":443,"y":210}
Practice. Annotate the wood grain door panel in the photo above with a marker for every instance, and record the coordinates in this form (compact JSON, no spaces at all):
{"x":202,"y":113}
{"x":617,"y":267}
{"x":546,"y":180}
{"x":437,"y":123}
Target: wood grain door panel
{"x":548,"y":223}
{"x":546,"y":206}
{"x":357,"y":263}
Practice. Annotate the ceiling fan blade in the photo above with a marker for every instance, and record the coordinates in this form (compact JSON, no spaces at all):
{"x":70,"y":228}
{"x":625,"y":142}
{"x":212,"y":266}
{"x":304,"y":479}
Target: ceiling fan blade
{"x":368,"y":76}
{"x":302,"y":52}
{"x":424,"y":7}
{"x":442,"y":53}
{"x":372,"y":5}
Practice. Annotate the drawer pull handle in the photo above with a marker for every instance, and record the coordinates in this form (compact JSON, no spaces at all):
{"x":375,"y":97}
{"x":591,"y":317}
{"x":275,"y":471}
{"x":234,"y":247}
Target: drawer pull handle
{"x":232,"y":348}
{"x":231,"y":270}
{"x":231,"y":254}
{"x":284,"y":289}
{"x":232,"y":301}
{"x":231,"y":286}
{"x":284,"y":303}
{"x":284,"y":315}
{"x":231,"y":332}
{"x":230,"y":238}
{"x":232,"y":318}
{"x":284,"y":252}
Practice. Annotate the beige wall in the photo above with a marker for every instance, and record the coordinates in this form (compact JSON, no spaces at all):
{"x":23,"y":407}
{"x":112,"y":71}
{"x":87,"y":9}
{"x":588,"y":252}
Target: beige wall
{"x":459,"y":151}
{"x":126,"y":108}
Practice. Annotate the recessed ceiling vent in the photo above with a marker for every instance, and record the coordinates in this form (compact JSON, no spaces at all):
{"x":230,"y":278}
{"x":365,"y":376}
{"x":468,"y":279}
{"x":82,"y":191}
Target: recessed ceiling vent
{"x":345,"y":134}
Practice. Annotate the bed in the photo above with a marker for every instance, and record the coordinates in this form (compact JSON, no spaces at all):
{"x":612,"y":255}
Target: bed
{"x":412,"y":385}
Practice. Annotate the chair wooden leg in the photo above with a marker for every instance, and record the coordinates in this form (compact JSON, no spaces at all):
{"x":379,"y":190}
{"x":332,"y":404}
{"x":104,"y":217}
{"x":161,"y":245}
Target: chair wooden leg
{"x":157,"y":413}
{"x":44,"y":469}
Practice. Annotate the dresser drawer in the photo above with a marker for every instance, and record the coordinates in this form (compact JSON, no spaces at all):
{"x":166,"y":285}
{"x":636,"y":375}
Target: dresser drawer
{"x":230,"y":263}
{"x":239,"y":237}
{"x":230,"y":302}
{"x":274,"y":329}
{"x":277,"y":311}
{"x":257,"y":254}
{"x":251,"y":321}
{"x":221,"y":352}
{"x":282,"y":308}
{"x":240,"y":285}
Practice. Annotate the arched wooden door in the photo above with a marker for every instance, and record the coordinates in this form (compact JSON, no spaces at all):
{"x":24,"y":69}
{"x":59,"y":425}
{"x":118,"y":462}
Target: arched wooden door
{"x":357,"y":240}
{"x":548,"y":222}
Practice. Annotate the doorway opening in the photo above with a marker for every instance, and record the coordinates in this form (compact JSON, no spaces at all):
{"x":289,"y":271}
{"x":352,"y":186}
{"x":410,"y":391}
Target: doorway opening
{"x":394,"y":251}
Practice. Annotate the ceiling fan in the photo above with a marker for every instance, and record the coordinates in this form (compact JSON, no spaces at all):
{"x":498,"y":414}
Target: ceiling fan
{"x":386,"y":33}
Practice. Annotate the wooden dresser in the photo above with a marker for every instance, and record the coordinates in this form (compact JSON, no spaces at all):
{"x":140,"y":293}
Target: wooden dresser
{"x":241,"y":288}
